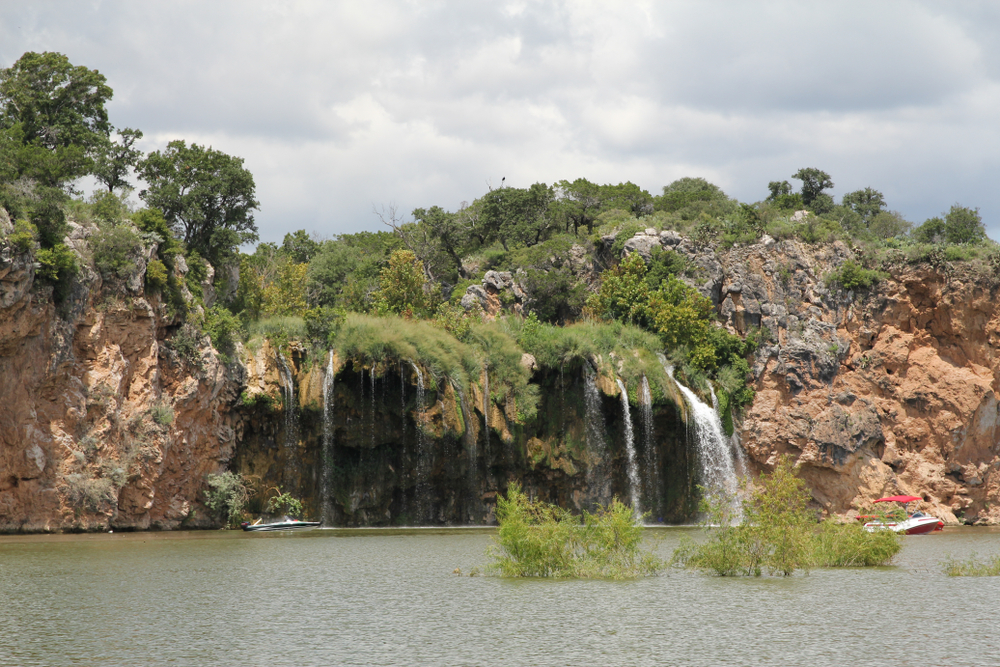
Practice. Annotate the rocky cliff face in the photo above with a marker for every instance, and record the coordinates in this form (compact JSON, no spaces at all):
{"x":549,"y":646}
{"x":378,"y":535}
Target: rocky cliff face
{"x":103,"y":426}
{"x":888,"y":391}
{"x":107,"y":421}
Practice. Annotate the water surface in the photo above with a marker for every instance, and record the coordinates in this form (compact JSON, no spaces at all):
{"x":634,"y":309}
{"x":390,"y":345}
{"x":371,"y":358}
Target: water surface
{"x":382,"y":597}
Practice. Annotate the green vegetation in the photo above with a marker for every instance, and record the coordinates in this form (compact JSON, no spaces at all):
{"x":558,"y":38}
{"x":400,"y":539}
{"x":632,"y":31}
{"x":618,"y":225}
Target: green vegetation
{"x":162,"y":413}
{"x":852,"y":276}
{"x":227,"y":496}
{"x":973,"y":566}
{"x":778,"y":534}
{"x":284,"y":503}
{"x":536,"y":539}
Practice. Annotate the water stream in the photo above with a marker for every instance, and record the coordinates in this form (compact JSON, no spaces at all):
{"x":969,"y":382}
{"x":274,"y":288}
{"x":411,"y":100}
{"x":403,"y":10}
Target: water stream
{"x":634,"y":483}
{"x":422,"y":489}
{"x":288,"y":388}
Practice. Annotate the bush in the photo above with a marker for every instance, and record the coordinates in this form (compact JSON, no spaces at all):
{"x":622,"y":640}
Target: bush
{"x":535,"y":539}
{"x":852,"y":276}
{"x":778,"y":534}
{"x":23,"y":237}
{"x":223,"y":328}
{"x":162,"y":414}
{"x":90,"y":493}
{"x":115,"y":248}
{"x":157,"y":277}
{"x":57,"y":266}
{"x":227,"y":495}
{"x":284,"y":503}
{"x":850,"y":545}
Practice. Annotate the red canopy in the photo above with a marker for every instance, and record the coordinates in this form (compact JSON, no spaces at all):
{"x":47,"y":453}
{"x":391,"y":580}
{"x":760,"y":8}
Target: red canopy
{"x":899,"y":499}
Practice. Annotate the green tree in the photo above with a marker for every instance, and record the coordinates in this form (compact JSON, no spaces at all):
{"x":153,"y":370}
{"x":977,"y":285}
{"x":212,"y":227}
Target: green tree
{"x":299,"y":246}
{"x":205,"y":194}
{"x":685,"y":191}
{"x":889,"y":224}
{"x":579,"y":203}
{"x":964,"y":225}
{"x":53,"y":115}
{"x":814,"y":182}
{"x":867,"y":203}
{"x":781,"y":194}
{"x":114,"y":160}
{"x":401,"y":286}
{"x":518,"y":216}
{"x":931,"y":231}
{"x":624,"y":293}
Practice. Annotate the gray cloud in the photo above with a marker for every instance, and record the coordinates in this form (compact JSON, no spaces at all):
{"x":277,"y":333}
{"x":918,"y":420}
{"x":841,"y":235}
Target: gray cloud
{"x":336,"y":106}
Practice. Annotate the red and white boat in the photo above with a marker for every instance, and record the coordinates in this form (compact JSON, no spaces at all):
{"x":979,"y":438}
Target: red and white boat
{"x":916,"y":523}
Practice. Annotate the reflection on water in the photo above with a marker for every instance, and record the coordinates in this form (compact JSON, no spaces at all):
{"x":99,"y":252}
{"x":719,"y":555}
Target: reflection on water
{"x":368,"y":597}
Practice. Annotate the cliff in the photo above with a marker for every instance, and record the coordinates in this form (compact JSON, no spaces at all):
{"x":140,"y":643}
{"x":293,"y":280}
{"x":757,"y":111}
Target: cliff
{"x":114,"y":411}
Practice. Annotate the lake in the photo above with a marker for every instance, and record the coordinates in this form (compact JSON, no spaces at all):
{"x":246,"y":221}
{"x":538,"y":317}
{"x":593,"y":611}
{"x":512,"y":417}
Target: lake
{"x":389,"y":597}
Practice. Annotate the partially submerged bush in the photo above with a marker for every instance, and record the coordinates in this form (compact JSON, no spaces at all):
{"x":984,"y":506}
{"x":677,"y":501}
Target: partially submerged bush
{"x":779,"y":534}
{"x":227,"y":495}
{"x":536,"y":539}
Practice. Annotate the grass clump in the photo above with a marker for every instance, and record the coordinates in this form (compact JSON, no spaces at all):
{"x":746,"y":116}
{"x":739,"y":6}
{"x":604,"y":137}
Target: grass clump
{"x":973,"y":566}
{"x":536,"y":539}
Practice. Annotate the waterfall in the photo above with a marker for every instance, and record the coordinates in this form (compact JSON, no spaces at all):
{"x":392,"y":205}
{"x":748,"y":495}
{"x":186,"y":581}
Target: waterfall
{"x":649,"y":447}
{"x":421,"y":490}
{"x":472,"y":474}
{"x":288,"y":387}
{"x":633,"y":470}
{"x":486,"y":404}
{"x":739,"y":461}
{"x":715,"y":456}
{"x":371,"y":413}
{"x":596,"y":438}
{"x":327,"y":454}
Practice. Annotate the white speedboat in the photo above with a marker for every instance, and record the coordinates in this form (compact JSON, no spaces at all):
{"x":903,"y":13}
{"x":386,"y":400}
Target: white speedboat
{"x":916,"y":523}
{"x":287,"y":524}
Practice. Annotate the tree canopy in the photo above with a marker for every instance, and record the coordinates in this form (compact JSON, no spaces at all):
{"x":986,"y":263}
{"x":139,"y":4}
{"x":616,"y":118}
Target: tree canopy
{"x":207,"y":196}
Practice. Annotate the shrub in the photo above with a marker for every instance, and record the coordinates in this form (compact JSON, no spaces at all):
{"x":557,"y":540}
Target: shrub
{"x":227,"y":495}
{"x":157,"y":277}
{"x":23,"y":237}
{"x":850,"y":545}
{"x":88,"y":492}
{"x":852,"y":276}
{"x":535,"y":539}
{"x":162,"y":414}
{"x":223,"y":328}
{"x":57,"y":266}
{"x":284,"y":503}
{"x":115,"y":248}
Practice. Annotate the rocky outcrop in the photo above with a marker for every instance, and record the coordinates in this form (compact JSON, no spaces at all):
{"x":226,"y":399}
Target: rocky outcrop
{"x":893,"y":390}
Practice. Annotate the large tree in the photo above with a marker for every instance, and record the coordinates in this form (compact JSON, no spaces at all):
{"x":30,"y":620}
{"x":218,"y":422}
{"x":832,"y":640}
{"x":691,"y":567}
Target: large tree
{"x":208,"y":197}
{"x":52,"y":114}
{"x":114,"y":160}
{"x":814,"y":181}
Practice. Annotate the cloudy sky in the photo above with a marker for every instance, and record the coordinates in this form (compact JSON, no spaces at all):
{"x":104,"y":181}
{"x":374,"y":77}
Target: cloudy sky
{"x":339,"y":106}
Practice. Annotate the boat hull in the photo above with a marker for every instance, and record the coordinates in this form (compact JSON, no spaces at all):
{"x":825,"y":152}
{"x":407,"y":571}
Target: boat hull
{"x":281,"y":526}
{"x":912,"y":526}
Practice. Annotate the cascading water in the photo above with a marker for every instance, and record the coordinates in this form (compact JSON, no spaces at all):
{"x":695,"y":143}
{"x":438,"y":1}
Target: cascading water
{"x":597,"y":441}
{"x":715,"y":456}
{"x":288,"y":388}
{"x":634,"y":483}
{"x":739,"y":461}
{"x":327,"y":455}
{"x":471,"y":448}
{"x":649,"y":447}
{"x":421,"y":490}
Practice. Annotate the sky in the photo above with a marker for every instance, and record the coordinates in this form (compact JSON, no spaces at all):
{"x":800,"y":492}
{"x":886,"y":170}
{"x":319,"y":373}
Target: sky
{"x":339,"y":108}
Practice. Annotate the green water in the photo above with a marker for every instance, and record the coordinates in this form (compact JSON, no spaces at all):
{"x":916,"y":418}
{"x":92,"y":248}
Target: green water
{"x":390,"y":598}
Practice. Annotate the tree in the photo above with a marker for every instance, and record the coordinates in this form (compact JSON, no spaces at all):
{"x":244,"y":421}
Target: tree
{"x":518,"y":216}
{"x":206,"y":195}
{"x":686,"y":191}
{"x":114,"y":160}
{"x":401,"y":286}
{"x":299,"y":246}
{"x":964,"y":225}
{"x":814,"y":181}
{"x":53,"y":115}
{"x":889,"y":224}
{"x":580,"y":202}
{"x":781,"y":194}
{"x":867,"y":203}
